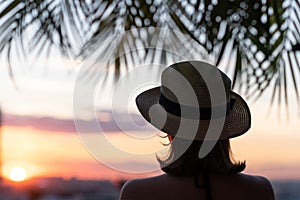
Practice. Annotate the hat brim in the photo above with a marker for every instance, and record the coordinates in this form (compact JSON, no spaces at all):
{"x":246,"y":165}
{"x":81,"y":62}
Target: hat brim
{"x":236,"y":123}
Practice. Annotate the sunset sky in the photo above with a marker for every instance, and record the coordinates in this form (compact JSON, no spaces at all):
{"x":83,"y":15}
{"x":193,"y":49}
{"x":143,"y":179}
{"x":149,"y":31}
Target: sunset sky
{"x":39,"y":134}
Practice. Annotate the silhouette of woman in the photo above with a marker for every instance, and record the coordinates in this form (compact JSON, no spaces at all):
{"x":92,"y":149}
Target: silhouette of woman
{"x":197,"y":109}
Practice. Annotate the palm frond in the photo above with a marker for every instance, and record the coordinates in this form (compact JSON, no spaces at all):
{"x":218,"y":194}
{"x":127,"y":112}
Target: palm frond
{"x":260,"y":38}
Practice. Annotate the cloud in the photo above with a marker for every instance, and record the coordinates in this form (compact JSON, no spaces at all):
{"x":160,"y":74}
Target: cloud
{"x":105,"y":121}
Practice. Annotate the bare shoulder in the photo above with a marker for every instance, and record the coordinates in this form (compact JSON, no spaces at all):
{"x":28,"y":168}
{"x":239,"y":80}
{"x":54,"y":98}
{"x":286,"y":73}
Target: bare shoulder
{"x":258,"y":184}
{"x":255,"y":180}
{"x":128,"y":190}
{"x":238,"y":186}
{"x":136,"y":188}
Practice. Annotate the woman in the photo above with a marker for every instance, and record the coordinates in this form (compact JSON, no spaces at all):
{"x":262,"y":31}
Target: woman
{"x":197,"y":109}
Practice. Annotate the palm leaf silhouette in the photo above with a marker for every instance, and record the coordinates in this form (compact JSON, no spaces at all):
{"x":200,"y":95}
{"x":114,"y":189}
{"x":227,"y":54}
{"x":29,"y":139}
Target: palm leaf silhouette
{"x":260,"y":39}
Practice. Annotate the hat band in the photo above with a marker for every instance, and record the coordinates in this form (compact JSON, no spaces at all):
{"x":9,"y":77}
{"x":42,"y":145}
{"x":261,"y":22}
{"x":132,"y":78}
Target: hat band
{"x":191,"y":112}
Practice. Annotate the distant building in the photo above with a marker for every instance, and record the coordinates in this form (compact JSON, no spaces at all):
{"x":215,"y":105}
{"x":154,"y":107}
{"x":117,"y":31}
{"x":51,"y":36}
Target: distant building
{"x":61,"y":189}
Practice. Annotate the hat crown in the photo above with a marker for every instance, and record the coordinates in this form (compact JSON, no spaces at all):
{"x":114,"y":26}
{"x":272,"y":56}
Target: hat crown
{"x":171,"y":107}
{"x":188,"y":83}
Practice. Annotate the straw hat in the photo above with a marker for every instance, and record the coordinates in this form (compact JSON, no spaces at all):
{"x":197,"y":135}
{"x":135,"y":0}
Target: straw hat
{"x":195,"y":102}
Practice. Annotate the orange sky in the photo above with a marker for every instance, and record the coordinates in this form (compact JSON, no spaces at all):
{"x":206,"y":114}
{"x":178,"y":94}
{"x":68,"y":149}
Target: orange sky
{"x":52,"y":154}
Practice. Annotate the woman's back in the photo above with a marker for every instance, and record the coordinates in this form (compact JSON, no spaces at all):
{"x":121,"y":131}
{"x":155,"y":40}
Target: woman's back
{"x":233,"y":187}
{"x":176,"y":106}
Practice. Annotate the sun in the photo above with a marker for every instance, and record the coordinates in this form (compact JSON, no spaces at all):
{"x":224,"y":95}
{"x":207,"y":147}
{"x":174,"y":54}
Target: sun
{"x":17,"y":174}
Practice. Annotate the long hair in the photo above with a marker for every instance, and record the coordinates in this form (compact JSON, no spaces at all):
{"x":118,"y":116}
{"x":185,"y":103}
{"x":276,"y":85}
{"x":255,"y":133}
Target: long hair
{"x":218,"y":160}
